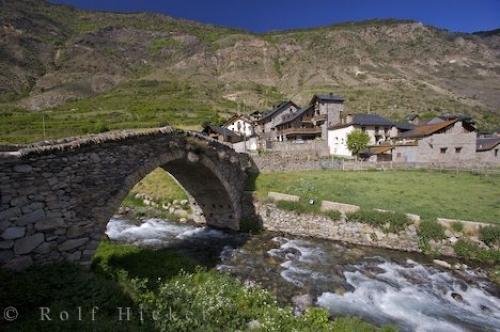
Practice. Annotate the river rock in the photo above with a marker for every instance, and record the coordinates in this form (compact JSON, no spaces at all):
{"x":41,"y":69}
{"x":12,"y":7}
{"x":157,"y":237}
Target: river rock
{"x":442,"y":263}
{"x":301,"y":303}
{"x":28,"y":244}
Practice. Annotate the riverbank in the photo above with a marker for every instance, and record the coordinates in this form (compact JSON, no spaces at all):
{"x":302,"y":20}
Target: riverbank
{"x":170,"y":289}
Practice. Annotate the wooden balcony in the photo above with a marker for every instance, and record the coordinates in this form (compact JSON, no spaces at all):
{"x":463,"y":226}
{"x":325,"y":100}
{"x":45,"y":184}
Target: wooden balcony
{"x":319,"y":118}
{"x":302,"y":131}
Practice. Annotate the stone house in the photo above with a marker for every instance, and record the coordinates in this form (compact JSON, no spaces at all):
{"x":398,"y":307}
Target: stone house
{"x":378,"y":128}
{"x":300,"y":125}
{"x":440,"y":140}
{"x":240,"y":124}
{"x":328,"y":109}
{"x":221,"y":134}
{"x":266,"y":124}
{"x":488,"y":149}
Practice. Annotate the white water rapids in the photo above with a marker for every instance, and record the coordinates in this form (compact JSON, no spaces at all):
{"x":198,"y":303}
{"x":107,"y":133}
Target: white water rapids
{"x":414,"y":295}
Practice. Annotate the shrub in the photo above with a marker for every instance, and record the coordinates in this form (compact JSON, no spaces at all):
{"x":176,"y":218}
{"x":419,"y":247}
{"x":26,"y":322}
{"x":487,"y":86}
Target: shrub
{"x":431,"y":230}
{"x":333,"y":214}
{"x":396,"y":221}
{"x":457,"y":226}
{"x":210,"y":301}
{"x":298,"y":207}
{"x":490,"y":235}
{"x":471,"y":251}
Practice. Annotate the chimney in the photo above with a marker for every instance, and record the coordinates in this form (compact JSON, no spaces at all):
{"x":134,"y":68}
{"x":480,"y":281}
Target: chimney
{"x":348,"y":118}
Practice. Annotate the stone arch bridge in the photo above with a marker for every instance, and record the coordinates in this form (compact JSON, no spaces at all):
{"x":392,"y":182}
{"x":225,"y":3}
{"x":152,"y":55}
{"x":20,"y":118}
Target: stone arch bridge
{"x":57,"y":198}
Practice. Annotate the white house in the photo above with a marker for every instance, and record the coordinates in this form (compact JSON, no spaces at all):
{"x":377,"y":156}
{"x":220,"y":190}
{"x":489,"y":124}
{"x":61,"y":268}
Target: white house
{"x":379,"y":130}
{"x":241,"y":125}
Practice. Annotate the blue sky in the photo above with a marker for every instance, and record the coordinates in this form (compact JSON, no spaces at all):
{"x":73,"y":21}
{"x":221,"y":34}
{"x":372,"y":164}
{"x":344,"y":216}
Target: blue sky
{"x":267,"y":15}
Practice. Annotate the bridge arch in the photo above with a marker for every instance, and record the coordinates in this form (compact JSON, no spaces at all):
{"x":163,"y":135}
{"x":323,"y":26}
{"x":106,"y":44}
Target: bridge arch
{"x":56,"y":199}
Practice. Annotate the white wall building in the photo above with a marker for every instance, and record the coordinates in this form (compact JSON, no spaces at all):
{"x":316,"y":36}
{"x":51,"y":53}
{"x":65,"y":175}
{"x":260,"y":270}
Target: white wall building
{"x":379,"y":130}
{"x":241,"y":125}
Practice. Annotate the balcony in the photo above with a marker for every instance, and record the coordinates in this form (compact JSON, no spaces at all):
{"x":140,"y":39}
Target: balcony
{"x":302,"y":131}
{"x":319,"y":118}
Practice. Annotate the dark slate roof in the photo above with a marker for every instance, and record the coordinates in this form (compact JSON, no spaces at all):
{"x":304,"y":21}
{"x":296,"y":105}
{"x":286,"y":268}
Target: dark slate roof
{"x":367,"y":120}
{"x":485,"y":144}
{"x":327,"y":97}
{"x":294,"y":116}
{"x":276,"y":109}
{"x":221,"y":130}
{"x":404,"y":126}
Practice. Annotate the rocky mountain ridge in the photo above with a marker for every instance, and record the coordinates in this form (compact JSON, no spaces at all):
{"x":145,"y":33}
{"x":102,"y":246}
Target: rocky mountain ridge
{"x":53,"y":56}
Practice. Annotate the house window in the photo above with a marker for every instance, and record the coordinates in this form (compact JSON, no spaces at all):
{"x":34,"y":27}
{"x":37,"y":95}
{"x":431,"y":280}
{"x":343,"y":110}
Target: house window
{"x":458,"y":149}
{"x":496,"y":152}
{"x":443,"y":150}
{"x":363,"y":128}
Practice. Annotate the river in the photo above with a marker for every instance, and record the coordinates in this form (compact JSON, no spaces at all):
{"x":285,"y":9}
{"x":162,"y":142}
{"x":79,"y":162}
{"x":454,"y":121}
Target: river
{"x":381,"y":286}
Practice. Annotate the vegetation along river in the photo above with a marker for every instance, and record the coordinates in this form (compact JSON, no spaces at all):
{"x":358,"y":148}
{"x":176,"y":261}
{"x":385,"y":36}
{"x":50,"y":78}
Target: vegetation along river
{"x":381,"y":286}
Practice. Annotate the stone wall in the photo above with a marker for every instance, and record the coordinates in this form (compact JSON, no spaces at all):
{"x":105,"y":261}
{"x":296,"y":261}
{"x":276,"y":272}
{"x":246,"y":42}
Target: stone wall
{"x":314,"y":147}
{"x":279,"y":162}
{"x":320,"y":226}
{"x":56,"y":199}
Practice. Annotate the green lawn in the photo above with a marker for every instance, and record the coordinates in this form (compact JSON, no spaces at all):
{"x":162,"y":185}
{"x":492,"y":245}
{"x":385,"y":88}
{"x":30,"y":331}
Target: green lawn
{"x":430,"y":194}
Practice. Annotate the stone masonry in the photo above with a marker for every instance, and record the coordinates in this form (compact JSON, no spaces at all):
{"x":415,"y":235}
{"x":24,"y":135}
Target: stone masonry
{"x":56,"y":198}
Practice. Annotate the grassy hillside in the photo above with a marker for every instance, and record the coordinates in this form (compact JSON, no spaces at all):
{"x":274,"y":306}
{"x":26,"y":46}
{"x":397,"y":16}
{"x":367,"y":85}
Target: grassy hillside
{"x":129,"y":70}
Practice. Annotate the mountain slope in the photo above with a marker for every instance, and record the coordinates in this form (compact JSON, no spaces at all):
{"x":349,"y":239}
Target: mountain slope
{"x":145,"y":69}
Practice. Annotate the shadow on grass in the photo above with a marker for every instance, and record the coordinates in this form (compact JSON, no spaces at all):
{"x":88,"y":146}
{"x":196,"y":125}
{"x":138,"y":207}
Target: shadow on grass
{"x":118,"y":272}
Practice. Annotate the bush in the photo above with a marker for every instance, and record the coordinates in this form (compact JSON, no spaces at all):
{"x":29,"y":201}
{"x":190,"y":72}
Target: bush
{"x":490,"y":235}
{"x":333,"y":214}
{"x":431,"y":230}
{"x":210,"y":301}
{"x":457,"y":226}
{"x":396,"y":221}
{"x":298,"y":207}
{"x":470,"y":251}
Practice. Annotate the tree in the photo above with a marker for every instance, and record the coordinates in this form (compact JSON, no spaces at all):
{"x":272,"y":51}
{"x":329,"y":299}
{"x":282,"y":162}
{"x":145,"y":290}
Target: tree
{"x":357,"y":140}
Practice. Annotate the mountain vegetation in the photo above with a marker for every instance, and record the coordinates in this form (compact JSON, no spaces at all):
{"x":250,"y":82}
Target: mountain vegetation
{"x":65,"y":71}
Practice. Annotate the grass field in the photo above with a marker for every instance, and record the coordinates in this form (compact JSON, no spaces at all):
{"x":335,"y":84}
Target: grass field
{"x":160,"y":186}
{"x":427,"y":193}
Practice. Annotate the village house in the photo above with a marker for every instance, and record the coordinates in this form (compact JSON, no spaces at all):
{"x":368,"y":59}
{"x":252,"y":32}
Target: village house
{"x":328,"y":111}
{"x":488,"y":149}
{"x":443,"y":139}
{"x":266,"y":124}
{"x":300,"y":125}
{"x":221,"y":134}
{"x":240,"y":124}
{"x":378,"y":128}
